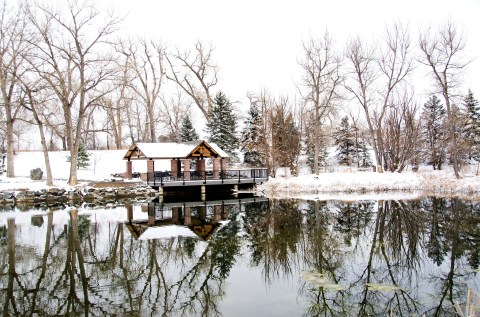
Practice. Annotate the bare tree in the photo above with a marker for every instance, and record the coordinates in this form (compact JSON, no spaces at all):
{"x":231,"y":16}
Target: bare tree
{"x":13,"y":46}
{"x":172,"y":113}
{"x":442,"y":54}
{"x":195,"y":73}
{"x":73,"y":58}
{"x":35,"y":101}
{"x":402,"y":136}
{"x":377,"y":77}
{"x":362,"y":59}
{"x":321,"y":83}
{"x":146,"y":61}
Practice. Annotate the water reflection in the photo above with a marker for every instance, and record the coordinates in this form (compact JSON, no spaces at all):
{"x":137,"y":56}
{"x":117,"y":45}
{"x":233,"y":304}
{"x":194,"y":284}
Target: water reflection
{"x":362,"y":258}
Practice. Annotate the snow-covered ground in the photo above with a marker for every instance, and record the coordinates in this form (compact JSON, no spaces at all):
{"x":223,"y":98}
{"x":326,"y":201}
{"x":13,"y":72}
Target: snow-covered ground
{"x":341,"y":184}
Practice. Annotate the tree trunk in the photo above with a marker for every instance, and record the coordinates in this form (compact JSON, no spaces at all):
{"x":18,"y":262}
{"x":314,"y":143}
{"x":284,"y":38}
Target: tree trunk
{"x":10,"y":149}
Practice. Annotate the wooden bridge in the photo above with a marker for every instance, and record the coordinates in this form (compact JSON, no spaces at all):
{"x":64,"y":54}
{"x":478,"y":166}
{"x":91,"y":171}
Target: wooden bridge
{"x":198,"y":178}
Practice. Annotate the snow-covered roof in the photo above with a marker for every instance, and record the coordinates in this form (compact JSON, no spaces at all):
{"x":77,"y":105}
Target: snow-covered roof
{"x":171,"y":150}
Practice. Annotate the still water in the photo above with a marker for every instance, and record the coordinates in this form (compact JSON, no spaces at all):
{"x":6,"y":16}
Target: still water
{"x":241,"y":257}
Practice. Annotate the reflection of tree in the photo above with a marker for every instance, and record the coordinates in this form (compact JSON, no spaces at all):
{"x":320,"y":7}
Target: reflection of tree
{"x":461,"y":229}
{"x":274,"y":235}
{"x":323,"y":254}
{"x":394,"y":244}
{"x":352,"y":218}
{"x":436,"y":212}
{"x":100,"y":269}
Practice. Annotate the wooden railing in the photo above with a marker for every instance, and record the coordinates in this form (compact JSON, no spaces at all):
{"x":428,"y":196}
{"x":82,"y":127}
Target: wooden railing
{"x":158,"y":178}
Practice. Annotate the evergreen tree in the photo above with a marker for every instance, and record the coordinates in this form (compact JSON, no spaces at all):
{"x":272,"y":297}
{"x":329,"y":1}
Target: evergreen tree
{"x":251,"y":138}
{"x":345,"y":142}
{"x":222,"y":125}
{"x":471,"y":125}
{"x":187,"y":131}
{"x":285,"y":140}
{"x":434,"y":132}
{"x":322,"y":153}
{"x":83,"y":157}
{"x":364,"y":157}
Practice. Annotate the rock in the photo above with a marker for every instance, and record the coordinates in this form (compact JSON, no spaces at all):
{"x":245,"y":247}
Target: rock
{"x":36,"y":174}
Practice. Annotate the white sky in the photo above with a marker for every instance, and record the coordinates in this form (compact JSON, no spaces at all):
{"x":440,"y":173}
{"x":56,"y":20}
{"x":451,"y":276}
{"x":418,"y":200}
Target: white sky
{"x":257,"y":43}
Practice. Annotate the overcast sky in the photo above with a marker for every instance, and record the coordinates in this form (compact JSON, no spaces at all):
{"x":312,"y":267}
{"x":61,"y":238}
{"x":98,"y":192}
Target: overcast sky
{"x":257,"y":43}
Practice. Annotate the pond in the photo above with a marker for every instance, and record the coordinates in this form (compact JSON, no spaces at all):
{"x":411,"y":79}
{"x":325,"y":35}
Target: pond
{"x":247,"y":256}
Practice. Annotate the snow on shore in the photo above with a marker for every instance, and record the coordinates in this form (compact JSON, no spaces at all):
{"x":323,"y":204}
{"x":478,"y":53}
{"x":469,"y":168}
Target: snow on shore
{"x":348,"y":184}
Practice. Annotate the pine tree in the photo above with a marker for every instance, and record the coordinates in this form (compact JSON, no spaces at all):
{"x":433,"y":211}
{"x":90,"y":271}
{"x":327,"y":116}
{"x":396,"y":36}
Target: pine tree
{"x":364,"y":157}
{"x":345,"y":141}
{"x":222,"y":125}
{"x":285,"y":140}
{"x":187,"y":131}
{"x":434,"y":132}
{"x":83,"y":157}
{"x":251,"y":138}
{"x":471,"y":125}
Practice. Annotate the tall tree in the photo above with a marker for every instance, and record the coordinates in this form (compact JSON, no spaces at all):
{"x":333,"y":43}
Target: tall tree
{"x":344,"y":139}
{"x":187,"y":131}
{"x":250,"y":143}
{"x":195,"y":73}
{"x":285,"y":137}
{"x":146,"y":60}
{"x":222,"y":125}
{"x":434,"y":132}
{"x":377,"y":75}
{"x":73,"y":57}
{"x":321,"y":83}
{"x":471,"y":128}
{"x":14,"y":45}
{"x":441,"y":52}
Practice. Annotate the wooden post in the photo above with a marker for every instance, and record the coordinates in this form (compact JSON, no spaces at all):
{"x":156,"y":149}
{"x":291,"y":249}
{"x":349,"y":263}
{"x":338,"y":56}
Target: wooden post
{"x":128,"y":175}
{"x":200,"y":167}
{"x":151,"y":169}
{"x":186,"y":169}
{"x":223,"y":164}
{"x":216,"y":168}
{"x":188,"y":216}
{"x":129,"y":212}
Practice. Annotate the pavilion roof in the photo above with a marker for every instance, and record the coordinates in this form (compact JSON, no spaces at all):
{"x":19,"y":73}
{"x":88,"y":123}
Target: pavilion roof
{"x":171,"y":150}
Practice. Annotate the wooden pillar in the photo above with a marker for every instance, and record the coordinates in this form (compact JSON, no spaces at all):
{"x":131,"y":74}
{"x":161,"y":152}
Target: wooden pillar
{"x":151,"y":214}
{"x":128,"y":174}
{"x":175,"y":168}
{"x":176,"y":214}
{"x":217,"y":213}
{"x":202,"y":212}
{"x":223,"y":164}
{"x":186,"y":169}
{"x":188,"y":216}
{"x":216,"y":168}
{"x":200,"y":168}
{"x":150,"y":166}
{"x":129,"y":212}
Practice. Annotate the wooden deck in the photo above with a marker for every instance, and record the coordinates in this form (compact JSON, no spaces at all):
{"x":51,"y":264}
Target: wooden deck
{"x":227,"y":177}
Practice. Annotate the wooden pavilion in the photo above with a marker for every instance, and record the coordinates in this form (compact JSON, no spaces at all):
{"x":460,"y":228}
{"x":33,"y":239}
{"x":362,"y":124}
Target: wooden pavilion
{"x":182,"y":174}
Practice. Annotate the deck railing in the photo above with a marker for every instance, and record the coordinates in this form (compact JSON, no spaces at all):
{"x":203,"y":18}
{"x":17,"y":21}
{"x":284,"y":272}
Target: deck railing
{"x":158,"y":178}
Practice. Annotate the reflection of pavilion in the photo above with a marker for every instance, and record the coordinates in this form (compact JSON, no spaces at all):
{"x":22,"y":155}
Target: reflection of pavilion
{"x":202,"y":219}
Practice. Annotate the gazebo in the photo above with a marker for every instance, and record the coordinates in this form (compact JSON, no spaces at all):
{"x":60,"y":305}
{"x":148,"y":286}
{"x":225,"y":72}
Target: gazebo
{"x":178,"y":153}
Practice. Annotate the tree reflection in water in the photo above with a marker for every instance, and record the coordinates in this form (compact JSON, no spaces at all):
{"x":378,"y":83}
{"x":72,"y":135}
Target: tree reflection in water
{"x":366,"y":258}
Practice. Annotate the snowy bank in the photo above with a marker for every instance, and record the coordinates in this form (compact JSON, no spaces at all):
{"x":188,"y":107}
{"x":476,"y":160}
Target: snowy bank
{"x":347,"y":183}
